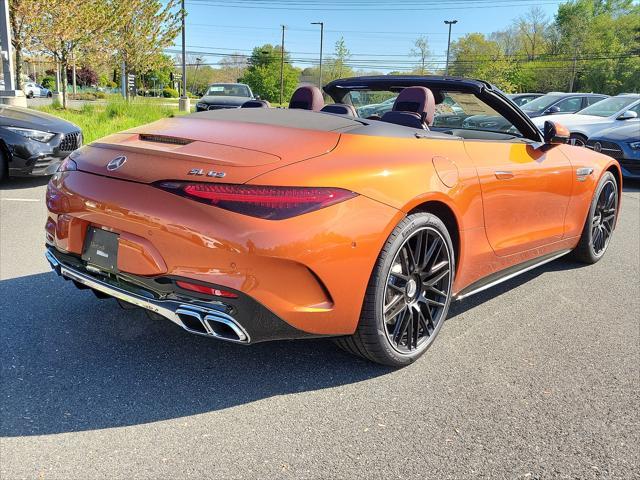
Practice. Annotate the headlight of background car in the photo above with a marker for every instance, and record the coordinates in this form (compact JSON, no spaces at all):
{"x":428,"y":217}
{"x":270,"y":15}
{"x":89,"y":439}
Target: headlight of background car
{"x":201,"y":105}
{"x":635,"y":145}
{"x":38,"y":135}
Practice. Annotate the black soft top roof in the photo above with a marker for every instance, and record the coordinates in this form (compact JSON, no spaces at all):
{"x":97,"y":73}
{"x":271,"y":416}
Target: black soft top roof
{"x":337,"y":89}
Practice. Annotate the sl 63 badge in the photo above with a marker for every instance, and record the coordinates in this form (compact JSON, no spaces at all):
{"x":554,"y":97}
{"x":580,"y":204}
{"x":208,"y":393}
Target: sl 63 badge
{"x":211,"y":173}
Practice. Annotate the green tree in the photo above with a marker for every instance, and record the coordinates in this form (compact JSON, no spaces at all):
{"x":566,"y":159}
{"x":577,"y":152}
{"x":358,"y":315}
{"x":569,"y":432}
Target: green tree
{"x":146,"y":28}
{"x":23,"y":30}
{"x":337,"y":65}
{"x":65,"y":28}
{"x":476,"y":56}
{"x":263,"y":73}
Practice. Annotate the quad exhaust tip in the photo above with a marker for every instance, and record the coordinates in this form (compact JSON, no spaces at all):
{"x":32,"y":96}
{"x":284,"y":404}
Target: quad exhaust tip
{"x":213,"y":324}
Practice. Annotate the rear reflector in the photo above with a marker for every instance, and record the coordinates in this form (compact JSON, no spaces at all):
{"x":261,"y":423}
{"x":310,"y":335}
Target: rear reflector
{"x":273,"y":203}
{"x":216,"y":292}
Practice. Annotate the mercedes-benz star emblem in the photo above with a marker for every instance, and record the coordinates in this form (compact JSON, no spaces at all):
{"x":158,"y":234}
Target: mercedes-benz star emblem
{"x":597,"y":147}
{"x":116,"y":163}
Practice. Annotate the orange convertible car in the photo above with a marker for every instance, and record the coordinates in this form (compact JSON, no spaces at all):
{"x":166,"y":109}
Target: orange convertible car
{"x":256,"y":224}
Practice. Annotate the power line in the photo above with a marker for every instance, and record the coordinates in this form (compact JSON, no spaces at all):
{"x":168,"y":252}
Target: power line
{"x":421,"y":7}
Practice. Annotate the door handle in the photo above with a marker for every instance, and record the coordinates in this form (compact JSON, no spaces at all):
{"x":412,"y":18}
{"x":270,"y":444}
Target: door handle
{"x":503,"y":175}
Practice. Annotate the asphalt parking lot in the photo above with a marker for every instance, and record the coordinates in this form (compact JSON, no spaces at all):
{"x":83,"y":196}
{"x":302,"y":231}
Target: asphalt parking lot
{"x":536,"y":378}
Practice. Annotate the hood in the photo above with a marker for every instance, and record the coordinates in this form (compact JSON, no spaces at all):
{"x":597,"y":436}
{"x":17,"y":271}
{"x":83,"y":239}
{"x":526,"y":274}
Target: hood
{"x":628,"y":133}
{"x":27,"y":118}
{"x":190,"y":147}
{"x":213,"y":100}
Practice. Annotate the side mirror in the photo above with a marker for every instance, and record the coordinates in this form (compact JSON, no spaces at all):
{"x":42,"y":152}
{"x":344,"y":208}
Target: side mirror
{"x":555,"y":134}
{"x":257,"y":97}
{"x":628,"y":115}
{"x":552,"y":110}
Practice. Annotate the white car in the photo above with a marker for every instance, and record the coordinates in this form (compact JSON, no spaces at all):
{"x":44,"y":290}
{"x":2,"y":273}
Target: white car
{"x":32,"y":89}
{"x":612,"y":112}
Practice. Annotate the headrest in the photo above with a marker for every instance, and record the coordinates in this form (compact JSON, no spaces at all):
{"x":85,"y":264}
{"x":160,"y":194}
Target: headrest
{"x":340,"y":109}
{"x":418,"y":100}
{"x":256,"y":104}
{"x":307,"y":98}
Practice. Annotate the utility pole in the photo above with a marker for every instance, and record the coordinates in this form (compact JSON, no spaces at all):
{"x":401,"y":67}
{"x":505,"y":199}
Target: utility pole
{"x":321,"y":39}
{"x":449,"y":22}
{"x":195,"y":74}
{"x":10,"y":94}
{"x":184,"y":100}
{"x":573,"y":71}
{"x":282,"y":67}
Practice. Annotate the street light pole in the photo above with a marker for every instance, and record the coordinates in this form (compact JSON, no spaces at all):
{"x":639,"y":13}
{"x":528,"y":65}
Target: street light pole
{"x":282,"y":67}
{"x":321,"y":41}
{"x":449,"y":22}
{"x":184,"y":100}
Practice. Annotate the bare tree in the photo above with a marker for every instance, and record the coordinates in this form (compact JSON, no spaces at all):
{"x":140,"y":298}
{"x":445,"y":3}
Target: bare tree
{"x":421,"y":51}
{"x":532,"y":27}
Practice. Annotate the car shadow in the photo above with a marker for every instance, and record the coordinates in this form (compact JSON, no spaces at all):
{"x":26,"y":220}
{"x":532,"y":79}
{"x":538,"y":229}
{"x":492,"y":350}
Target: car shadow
{"x":73,"y":363}
{"x":20,"y":183}
{"x":70,"y":362}
{"x":461,"y":306}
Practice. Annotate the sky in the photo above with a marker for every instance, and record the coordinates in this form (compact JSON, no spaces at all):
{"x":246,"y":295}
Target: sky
{"x":378,"y":33}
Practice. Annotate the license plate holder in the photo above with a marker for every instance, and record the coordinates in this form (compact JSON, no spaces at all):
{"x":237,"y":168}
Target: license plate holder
{"x":101,"y":249}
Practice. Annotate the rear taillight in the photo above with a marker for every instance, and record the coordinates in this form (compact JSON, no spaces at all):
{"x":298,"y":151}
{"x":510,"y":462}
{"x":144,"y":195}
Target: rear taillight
{"x":273,"y":203}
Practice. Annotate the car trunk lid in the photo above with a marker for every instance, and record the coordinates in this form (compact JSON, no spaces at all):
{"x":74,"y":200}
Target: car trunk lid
{"x":210,"y":150}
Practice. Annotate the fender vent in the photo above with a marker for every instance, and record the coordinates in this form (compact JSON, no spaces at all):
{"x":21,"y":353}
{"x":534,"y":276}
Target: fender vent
{"x":164,"y":139}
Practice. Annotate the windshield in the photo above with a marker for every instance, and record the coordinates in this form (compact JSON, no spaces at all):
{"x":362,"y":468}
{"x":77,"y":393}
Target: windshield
{"x":540,"y":104}
{"x":228,"y":90}
{"x":608,"y":107}
{"x":457,"y":110}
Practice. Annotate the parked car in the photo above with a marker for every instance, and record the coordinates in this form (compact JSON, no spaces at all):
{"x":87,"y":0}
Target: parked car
{"x":258,"y":224}
{"x":32,"y":89}
{"x":521,"y":99}
{"x":34,"y":143}
{"x":556,"y":103}
{"x":612,"y":112}
{"x":376,"y":108}
{"x":224,"y":95}
{"x":621,"y":143}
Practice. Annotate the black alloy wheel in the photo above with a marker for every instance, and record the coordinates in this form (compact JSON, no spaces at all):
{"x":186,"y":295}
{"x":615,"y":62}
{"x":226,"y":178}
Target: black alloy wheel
{"x":604,"y":217}
{"x":418,"y":286}
{"x":408,"y":295}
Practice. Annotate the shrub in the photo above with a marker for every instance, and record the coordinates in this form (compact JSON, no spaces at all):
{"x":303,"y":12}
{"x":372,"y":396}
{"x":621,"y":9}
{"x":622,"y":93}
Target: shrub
{"x":49,"y":82}
{"x":169,"y":92}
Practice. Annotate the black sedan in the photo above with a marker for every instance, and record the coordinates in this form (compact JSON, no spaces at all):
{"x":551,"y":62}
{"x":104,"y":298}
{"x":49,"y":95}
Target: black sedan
{"x":34,"y":143}
{"x":224,"y":95}
{"x":621,"y":143}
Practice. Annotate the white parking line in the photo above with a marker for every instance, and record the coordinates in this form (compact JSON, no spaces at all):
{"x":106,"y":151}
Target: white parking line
{"x":21,"y":199}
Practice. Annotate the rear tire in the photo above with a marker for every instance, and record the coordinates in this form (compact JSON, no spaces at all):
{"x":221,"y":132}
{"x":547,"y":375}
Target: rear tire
{"x":600,"y":223}
{"x":4,"y":166}
{"x":408,"y":295}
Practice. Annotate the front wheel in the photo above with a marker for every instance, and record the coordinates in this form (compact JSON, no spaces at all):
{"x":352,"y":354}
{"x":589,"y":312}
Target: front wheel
{"x":577,"y":140}
{"x":408,"y":295}
{"x":598,"y":228}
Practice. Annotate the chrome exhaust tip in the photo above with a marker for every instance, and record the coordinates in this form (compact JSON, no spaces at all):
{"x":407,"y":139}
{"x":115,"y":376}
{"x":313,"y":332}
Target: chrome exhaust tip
{"x":212,"y":324}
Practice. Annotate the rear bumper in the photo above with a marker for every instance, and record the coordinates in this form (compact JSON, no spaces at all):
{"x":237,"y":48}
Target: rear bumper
{"x":241,"y":320}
